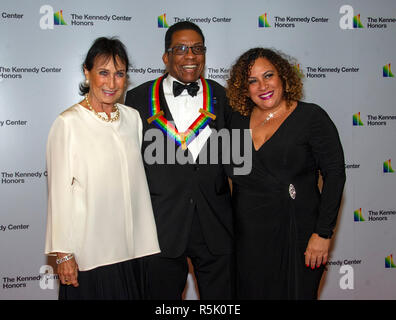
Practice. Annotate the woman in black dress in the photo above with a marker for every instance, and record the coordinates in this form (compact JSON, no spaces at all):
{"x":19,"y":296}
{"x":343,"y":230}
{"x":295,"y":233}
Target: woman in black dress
{"x":283,"y":223}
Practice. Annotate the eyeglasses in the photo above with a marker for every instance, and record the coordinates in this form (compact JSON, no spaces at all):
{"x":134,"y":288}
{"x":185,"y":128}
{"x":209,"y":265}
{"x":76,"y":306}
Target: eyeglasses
{"x":182,"y":50}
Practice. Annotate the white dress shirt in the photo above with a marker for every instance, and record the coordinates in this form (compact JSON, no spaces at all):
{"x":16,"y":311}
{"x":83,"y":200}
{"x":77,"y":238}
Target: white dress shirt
{"x":185,"y":110}
{"x":99,"y":205}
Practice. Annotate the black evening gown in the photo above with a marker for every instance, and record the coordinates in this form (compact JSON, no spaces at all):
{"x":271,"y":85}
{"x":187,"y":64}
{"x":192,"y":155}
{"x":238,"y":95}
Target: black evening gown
{"x":119,"y":281}
{"x":278,"y":205}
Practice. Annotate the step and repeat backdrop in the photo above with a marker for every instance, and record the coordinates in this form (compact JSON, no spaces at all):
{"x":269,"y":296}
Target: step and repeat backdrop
{"x":344,"y":49}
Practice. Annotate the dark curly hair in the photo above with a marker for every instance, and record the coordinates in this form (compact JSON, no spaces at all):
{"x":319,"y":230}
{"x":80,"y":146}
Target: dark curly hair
{"x":237,"y":84}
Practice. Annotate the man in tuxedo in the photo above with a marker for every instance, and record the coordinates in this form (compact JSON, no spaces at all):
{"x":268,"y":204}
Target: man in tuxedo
{"x":191,"y":200}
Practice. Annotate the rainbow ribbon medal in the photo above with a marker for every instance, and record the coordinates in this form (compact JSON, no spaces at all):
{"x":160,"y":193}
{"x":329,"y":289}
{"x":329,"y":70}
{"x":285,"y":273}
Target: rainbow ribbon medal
{"x":181,"y":138}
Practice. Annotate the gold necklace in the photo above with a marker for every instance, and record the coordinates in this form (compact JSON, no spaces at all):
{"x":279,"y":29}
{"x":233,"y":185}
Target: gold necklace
{"x":99,"y":116}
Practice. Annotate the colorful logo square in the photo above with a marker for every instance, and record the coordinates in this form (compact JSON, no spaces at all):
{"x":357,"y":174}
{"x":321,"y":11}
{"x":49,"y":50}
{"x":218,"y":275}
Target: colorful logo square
{"x":356,"y":22}
{"x":357,"y":215}
{"x":356,"y":121}
{"x":389,"y":264}
{"x":386,"y":71}
{"x":58,"y":19}
{"x":262,"y":21}
{"x":162,"y":21}
{"x":387,"y":166}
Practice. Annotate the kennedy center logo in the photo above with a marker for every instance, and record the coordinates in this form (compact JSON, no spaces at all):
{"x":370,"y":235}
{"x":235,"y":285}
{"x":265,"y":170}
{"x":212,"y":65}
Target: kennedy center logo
{"x":162,"y":21}
{"x":262,"y":21}
{"x":49,"y":18}
{"x":298,"y":70}
{"x":389,"y":264}
{"x":387,"y":72}
{"x":356,"y":121}
{"x":357,"y":215}
{"x":387,"y":167}
{"x":356,"y":22}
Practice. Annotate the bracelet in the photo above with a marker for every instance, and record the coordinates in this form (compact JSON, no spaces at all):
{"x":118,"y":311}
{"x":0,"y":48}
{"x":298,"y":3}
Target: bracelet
{"x":65,"y":258}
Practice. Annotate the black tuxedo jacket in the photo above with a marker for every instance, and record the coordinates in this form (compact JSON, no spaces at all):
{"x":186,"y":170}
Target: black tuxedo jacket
{"x":179,"y":190}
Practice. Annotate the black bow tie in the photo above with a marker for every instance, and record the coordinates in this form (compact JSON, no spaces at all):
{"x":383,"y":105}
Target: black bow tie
{"x":192,"y":88}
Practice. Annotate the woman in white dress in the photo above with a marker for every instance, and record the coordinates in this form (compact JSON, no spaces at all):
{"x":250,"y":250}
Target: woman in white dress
{"x":100,"y":218}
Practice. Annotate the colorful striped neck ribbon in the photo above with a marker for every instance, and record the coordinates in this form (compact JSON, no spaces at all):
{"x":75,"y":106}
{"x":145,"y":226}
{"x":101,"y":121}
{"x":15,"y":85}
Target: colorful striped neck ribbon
{"x":181,"y":138}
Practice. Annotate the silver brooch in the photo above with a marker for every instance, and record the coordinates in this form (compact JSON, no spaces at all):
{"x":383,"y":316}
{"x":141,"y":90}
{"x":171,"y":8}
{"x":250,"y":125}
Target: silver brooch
{"x":292,"y":191}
